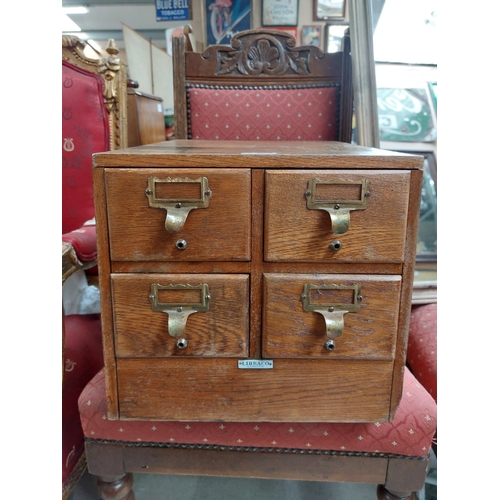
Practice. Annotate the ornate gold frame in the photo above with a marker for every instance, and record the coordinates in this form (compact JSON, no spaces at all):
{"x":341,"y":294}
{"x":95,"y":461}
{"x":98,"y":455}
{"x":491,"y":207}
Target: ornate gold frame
{"x":114,"y":75}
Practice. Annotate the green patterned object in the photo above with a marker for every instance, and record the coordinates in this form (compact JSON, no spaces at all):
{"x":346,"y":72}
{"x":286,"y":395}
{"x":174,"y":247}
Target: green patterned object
{"x":404,"y":115}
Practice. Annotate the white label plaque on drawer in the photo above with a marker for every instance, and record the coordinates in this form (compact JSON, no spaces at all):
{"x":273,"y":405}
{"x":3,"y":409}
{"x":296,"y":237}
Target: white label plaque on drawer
{"x":256,"y":364}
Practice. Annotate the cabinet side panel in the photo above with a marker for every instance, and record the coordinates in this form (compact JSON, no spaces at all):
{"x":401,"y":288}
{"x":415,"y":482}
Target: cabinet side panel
{"x":101,"y":217}
{"x":407,"y":287}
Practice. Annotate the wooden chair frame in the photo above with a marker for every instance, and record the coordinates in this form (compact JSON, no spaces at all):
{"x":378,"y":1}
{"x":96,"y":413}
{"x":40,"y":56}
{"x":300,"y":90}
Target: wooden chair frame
{"x":398,"y":477}
{"x":221,"y":66}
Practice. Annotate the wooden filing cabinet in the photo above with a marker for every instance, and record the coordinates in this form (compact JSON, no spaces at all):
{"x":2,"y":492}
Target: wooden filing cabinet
{"x":255,"y":281}
{"x":145,"y":120}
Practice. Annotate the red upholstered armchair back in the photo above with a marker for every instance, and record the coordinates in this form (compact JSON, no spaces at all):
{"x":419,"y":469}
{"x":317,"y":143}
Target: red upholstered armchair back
{"x":85,"y":130}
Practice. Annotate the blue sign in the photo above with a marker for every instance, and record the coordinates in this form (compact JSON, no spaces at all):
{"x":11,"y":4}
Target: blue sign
{"x":173,"y":10}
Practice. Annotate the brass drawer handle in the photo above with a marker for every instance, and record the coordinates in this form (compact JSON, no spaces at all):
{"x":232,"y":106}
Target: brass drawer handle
{"x":178,"y":312}
{"x":177,"y":208}
{"x":333,"y":312}
{"x":339,"y":210}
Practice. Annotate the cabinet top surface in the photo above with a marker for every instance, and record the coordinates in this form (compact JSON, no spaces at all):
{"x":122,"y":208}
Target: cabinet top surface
{"x":257,"y":154}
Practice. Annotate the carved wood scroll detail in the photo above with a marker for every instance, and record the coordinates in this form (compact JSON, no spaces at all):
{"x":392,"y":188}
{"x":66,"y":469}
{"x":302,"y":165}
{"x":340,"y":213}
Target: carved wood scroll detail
{"x":109,"y":67}
{"x":263,"y":54}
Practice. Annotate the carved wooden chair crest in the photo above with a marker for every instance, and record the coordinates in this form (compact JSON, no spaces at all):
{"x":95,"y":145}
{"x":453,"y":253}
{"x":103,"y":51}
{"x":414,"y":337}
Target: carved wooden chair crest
{"x":262,"y":87}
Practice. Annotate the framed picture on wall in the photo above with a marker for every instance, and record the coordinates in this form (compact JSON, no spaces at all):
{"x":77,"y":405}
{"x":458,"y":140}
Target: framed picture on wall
{"x":311,"y":35}
{"x":280,"y":12}
{"x":329,"y":10}
{"x":291,"y":30}
{"x":225,"y":18}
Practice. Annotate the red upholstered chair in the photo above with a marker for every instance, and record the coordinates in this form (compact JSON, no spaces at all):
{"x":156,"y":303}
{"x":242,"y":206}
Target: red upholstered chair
{"x":394,"y":454}
{"x":262,"y":87}
{"x":92,"y":121}
{"x":422,"y":346}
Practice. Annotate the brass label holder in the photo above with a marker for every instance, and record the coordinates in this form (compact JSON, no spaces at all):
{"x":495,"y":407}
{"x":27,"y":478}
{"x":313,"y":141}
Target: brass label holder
{"x":177,"y":208}
{"x":334,"y":312}
{"x":178,"y":312}
{"x":339,"y":210}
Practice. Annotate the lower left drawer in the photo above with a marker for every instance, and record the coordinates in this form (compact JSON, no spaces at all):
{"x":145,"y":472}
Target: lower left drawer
{"x":164,"y":315}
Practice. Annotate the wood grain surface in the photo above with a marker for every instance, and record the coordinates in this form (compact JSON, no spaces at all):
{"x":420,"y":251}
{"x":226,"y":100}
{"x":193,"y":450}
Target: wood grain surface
{"x":257,"y":154}
{"x":215,"y":389}
{"x":221,"y":331}
{"x":294,"y":232}
{"x":146,"y":123}
{"x":254,"y":245}
{"x":289,"y":331}
{"x":220,"y":232}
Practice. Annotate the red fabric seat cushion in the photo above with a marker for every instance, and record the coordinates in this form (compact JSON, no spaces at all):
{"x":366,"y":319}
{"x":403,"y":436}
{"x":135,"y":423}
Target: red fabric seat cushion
{"x":410,"y":433}
{"x":85,"y":130}
{"x":83,"y":359}
{"x":422,"y":346}
{"x":305,"y":114}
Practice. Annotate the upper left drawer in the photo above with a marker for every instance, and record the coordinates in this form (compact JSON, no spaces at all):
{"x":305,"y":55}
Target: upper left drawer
{"x":183,"y":214}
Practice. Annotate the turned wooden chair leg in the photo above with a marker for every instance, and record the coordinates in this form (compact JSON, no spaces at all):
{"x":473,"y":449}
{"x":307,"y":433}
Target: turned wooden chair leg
{"x":116,"y":488}
{"x":384,"y":494}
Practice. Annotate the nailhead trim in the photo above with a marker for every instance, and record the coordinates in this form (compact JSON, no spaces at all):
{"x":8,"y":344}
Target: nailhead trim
{"x":293,"y":451}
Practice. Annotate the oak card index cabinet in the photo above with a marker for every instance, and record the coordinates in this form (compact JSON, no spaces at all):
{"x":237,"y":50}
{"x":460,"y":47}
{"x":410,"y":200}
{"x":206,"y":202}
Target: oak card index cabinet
{"x":255,"y":281}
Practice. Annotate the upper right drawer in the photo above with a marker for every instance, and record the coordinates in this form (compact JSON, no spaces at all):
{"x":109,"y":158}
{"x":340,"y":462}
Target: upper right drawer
{"x":336,"y":215}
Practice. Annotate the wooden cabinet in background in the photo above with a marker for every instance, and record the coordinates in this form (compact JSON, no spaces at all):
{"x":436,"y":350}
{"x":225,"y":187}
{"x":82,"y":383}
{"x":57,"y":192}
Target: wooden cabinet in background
{"x":146,"y":123}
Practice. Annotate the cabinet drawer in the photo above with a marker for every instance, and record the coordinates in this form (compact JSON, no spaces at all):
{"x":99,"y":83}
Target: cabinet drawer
{"x":213,"y":319}
{"x":370,"y":229}
{"x":208,"y":214}
{"x":296,"y":315}
{"x":295,"y":390}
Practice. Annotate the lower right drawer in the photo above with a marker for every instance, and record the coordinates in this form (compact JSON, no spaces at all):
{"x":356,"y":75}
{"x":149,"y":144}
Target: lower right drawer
{"x":337,"y":316}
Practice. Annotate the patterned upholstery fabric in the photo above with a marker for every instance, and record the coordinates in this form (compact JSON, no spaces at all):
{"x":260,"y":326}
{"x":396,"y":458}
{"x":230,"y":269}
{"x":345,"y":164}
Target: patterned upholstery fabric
{"x":410,"y":433}
{"x":305,"y":114}
{"x":422,"y":346}
{"x":83,"y":359}
{"x":85,"y":130}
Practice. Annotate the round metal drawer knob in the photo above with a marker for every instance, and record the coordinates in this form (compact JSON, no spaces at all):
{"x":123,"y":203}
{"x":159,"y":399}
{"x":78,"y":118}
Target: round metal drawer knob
{"x":335,"y":245}
{"x":182,"y":343}
{"x":181,"y":244}
{"x":330,"y":345}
